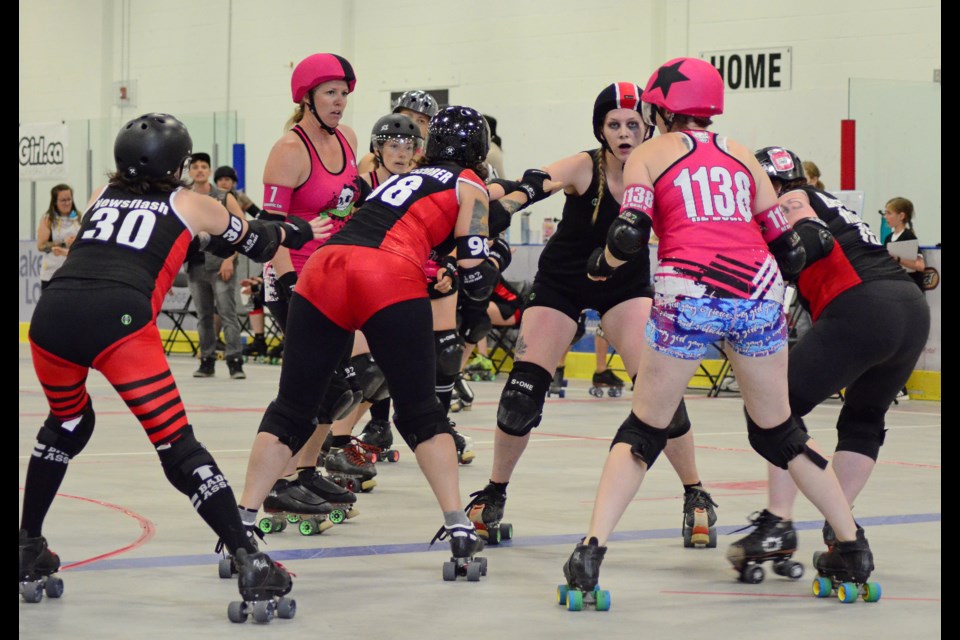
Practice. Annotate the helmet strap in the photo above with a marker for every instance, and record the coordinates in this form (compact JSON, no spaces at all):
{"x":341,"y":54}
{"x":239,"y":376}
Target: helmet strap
{"x":313,"y":110}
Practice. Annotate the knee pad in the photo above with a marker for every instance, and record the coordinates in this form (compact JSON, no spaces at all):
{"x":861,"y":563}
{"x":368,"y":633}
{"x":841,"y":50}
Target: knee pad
{"x":680,"y":423}
{"x":341,"y":397}
{"x":861,"y":431}
{"x":291,"y":427}
{"x":781,"y":444}
{"x":476,"y":327}
{"x":420,"y":423}
{"x":521,"y":403}
{"x":190,"y":468}
{"x":63,"y":440}
{"x":449,"y":351}
{"x":370,"y":377}
{"x":645,"y":442}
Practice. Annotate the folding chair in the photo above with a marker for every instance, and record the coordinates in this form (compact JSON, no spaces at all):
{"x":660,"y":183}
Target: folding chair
{"x":501,"y":342}
{"x":177,"y":314}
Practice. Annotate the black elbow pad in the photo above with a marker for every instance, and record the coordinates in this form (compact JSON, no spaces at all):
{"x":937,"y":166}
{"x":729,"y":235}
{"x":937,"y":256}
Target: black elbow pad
{"x":789,"y":252}
{"x":628,"y":234}
{"x":816,"y":239}
{"x":261,"y":240}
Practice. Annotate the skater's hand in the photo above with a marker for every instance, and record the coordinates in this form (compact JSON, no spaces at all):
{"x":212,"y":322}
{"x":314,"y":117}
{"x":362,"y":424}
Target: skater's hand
{"x":322,"y":227}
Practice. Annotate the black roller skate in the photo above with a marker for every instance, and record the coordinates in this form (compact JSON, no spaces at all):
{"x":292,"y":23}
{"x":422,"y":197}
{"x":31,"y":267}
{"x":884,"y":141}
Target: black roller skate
{"x":290,"y":502}
{"x":462,"y":399}
{"x":263,"y":585}
{"x":314,"y":482}
{"x":582,"y":571}
{"x":38,"y":566}
{"x":773,"y":539}
{"x":256,"y":350}
{"x":558,"y":386}
{"x":845,"y":569}
{"x":699,"y":519}
{"x":480,"y":368}
{"x":608,"y":380}
{"x":227,"y":567}
{"x":350,"y":468}
{"x":378,"y":433}
{"x":486,"y":513}
{"x":275,"y":353}
{"x":465,"y":453}
{"x":464,"y":545}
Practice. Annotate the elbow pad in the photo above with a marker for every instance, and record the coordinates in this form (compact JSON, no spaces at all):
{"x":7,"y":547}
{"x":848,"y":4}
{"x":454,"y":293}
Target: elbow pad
{"x":816,"y":239}
{"x":628,"y":234}
{"x":297,"y":232}
{"x":261,"y":241}
{"x":789,"y":252}
{"x":500,"y":251}
{"x":478,"y":282}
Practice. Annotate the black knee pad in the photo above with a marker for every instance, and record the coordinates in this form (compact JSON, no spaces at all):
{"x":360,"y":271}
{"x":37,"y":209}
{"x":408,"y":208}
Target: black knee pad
{"x":645,"y":442}
{"x":342,"y":396}
{"x":449,"y":351}
{"x":782,"y":443}
{"x":680,"y":423}
{"x":521,"y":402}
{"x":190,"y":468}
{"x":291,"y":427}
{"x":476,"y":325}
{"x":370,"y":377}
{"x":66,"y":439}
{"x":861,"y":431}
{"x":418,"y":424}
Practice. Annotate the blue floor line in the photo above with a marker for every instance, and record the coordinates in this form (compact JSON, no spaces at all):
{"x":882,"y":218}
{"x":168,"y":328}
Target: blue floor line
{"x":420,"y":547}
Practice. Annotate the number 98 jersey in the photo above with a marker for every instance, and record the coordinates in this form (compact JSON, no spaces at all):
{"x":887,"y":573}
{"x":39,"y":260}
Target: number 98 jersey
{"x":139,"y":241}
{"x":410,"y":213}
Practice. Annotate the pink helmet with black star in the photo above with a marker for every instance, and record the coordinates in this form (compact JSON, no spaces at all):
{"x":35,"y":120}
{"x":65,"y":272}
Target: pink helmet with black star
{"x":687,"y":86}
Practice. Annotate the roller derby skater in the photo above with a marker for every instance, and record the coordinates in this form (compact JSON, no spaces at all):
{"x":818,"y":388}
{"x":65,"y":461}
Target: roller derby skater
{"x":609,"y":381}
{"x":263,"y":584}
{"x":465,"y":452}
{"x":558,"y":386}
{"x":464,"y":546}
{"x":773,"y":539}
{"x":844,"y":569}
{"x":462,"y":398}
{"x":480,"y":368}
{"x":349,"y":466}
{"x":486,"y":513}
{"x":699,"y":518}
{"x":582,"y":571}
{"x":38,"y":568}
{"x":379,"y":435}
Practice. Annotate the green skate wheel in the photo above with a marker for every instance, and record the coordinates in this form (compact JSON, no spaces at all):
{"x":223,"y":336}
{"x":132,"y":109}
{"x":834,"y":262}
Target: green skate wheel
{"x":848,"y":592}
{"x":822,"y":587}
{"x":574,"y":600}
{"x":602,"y":599}
{"x":872,"y":592}
{"x":265,"y":525}
{"x":235,"y":612}
{"x":307,"y":527}
{"x":293,"y":518}
{"x":337,"y":516}
{"x":562,"y":591}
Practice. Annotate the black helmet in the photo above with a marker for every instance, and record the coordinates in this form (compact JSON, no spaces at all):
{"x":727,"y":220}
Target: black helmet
{"x":154,"y":145}
{"x":395,"y":125}
{"x":619,"y":95}
{"x":458,"y":134}
{"x":780,"y":164}
{"x":419,"y":101}
{"x":226,"y":171}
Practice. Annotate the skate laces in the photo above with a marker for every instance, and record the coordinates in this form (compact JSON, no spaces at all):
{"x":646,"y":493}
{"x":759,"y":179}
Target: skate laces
{"x":455,"y":531}
{"x":698,"y":498}
{"x":355,"y":451}
{"x":249,"y":530}
{"x":760,"y":519}
{"x":487,"y":495}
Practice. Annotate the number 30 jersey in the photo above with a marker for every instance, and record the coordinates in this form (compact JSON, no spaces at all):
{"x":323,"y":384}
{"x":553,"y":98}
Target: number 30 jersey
{"x":410,"y":213}
{"x":710,"y":244}
{"x":136,"y":240}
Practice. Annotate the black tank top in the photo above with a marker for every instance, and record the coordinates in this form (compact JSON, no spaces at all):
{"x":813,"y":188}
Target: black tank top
{"x":139,"y":241}
{"x":566,"y":253}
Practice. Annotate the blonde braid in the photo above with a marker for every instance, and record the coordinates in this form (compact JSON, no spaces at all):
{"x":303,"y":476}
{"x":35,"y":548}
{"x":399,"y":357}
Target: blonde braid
{"x":600,"y":165}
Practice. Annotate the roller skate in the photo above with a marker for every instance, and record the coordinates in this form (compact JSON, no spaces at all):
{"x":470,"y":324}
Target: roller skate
{"x":486,"y":513}
{"x":275,"y":353}
{"x":290,"y":502}
{"x":608,"y":380}
{"x":38,"y":568}
{"x":314,"y":482}
{"x":378,"y":433}
{"x":773,"y":539}
{"x":582,"y":571}
{"x":558,"y":386}
{"x":844,"y":570}
{"x":699,"y":519}
{"x":256,"y":350}
{"x":479,"y":368}
{"x":227,"y":567}
{"x":263,"y":584}
{"x":462,"y":399}
{"x":465,"y":453}
{"x":350,"y":468}
{"x":464,"y":545}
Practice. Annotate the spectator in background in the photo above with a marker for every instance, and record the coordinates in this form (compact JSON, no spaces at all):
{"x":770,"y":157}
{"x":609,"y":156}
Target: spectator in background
{"x":898,"y":214}
{"x":59,"y":225}
{"x":812,"y":172}
{"x":495,"y":155}
{"x":214,"y":285}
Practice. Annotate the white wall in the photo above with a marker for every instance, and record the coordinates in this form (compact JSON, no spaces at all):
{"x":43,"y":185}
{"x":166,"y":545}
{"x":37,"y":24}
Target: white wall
{"x":535,"y":65}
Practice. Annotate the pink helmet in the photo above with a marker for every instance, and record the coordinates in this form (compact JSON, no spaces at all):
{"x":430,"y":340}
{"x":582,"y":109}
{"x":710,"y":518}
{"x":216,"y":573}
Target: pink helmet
{"x":320,"y":67}
{"x":688,"y":86}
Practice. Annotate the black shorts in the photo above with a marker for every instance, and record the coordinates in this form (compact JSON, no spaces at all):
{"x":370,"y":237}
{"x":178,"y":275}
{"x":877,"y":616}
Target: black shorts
{"x":572,"y":296}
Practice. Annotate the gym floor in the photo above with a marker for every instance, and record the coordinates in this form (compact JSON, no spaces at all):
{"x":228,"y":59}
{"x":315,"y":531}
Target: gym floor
{"x":138,"y":560}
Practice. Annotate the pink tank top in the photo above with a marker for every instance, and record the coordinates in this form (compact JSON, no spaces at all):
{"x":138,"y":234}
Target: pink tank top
{"x":709,"y":243}
{"x":324,"y":194}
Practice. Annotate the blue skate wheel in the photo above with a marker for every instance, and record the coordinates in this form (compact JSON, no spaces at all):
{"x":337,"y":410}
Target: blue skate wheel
{"x":822,"y":587}
{"x":847,"y":592}
{"x":872,"y":592}
{"x":574,"y":600}
{"x":602,"y":598}
{"x":562,"y":591}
